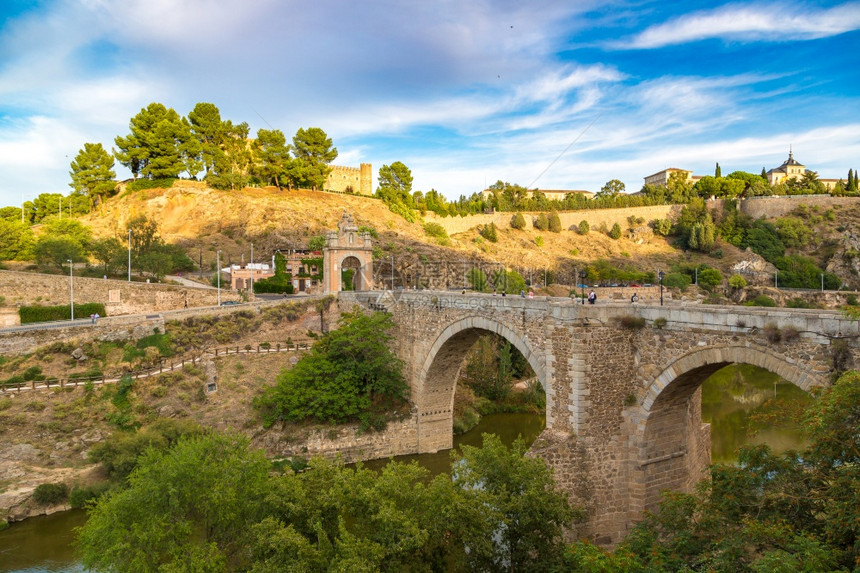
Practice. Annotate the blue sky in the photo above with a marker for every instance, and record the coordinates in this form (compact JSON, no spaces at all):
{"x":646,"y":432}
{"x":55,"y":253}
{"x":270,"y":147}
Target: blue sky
{"x":549,"y":94}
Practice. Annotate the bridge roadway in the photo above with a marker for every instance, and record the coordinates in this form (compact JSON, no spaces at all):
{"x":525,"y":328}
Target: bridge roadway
{"x":622,"y":380}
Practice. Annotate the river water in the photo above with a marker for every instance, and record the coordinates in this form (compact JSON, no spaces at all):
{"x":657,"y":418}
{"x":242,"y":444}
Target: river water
{"x":734,"y":401}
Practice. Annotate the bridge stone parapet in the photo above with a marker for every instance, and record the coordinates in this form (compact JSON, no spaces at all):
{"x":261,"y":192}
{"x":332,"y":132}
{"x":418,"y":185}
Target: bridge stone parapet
{"x":623,"y":415}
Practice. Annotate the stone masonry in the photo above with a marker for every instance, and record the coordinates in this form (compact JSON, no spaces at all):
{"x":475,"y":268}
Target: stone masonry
{"x":623,"y":416}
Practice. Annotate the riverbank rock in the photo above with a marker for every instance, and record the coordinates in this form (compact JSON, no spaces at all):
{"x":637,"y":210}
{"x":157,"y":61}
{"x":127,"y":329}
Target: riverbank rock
{"x":22,"y":479}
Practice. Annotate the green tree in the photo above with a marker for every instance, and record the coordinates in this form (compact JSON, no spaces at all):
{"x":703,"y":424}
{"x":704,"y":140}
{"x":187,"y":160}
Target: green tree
{"x":518,"y":221}
{"x":57,"y":251}
{"x":69,"y":228}
{"x":395,"y":184}
{"x":314,"y":153}
{"x":92,"y":172}
{"x":272,"y":157}
{"x":477,"y":279}
{"x":16,"y":240}
{"x":541,"y":222}
{"x":109,"y":252}
{"x":350,"y":371}
{"x":611,"y":189}
{"x":554,"y":223}
{"x":717,"y":171}
{"x":189,"y":508}
{"x":525,"y":512}
{"x":160,"y":144}
{"x":210,"y":131}
{"x":615,"y":232}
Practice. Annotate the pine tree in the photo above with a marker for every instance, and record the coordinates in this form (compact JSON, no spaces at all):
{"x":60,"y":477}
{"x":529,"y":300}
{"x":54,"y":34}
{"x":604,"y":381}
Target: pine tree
{"x":717,"y":172}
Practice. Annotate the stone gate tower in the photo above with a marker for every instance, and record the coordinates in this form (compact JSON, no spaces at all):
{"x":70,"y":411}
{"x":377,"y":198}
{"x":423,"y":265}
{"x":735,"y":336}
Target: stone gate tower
{"x":347,"y":256}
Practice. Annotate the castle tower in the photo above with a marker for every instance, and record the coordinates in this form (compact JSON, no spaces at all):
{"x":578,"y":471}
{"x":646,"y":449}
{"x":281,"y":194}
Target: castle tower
{"x":366,"y":181}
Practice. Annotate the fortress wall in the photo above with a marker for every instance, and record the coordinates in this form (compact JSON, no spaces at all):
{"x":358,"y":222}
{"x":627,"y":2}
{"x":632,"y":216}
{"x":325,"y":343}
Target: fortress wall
{"x":595,"y":217}
{"x":119,"y":297}
{"x":777,"y":206}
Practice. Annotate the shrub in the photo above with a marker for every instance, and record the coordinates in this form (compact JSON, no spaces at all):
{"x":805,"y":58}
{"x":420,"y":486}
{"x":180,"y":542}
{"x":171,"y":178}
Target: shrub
{"x":51,"y":493}
{"x":737,"y":281}
{"x":789,"y":334}
{"x":554,"y":223}
{"x":518,"y":221}
{"x":489,"y":232}
{"x":659,"y":323}
{"x":632,"y":322}
{"x":81,"y":495}
{"x":798,"y":302}
{"x":772,"y":333}
{"x":541,"y":223}
{"x":539,"y":241}
{"x":435,"y":230}
{"x":662,"y":227}
{"x":709,"y":278}
{"x":851,"y":299}
{"x":30,"y":314}
{"x":143,"y":183}
{"x":615,"y":232}
{"x":630,"y":400}
{"x":761,"y":300}
{"x":584,"y":227}
{"x":677,"y":280}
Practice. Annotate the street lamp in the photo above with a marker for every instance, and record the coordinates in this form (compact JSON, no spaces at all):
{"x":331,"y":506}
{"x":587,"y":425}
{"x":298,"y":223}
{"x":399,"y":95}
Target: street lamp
{"x":129,"y":255}
{"x":660,"y":276}
{"x":71,"y":289}
{"x":218,"y":274}
{"x":252,"y":268}
{"x":582,"y":275}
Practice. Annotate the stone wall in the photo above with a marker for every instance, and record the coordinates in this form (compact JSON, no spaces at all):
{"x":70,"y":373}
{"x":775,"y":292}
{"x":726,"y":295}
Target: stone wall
{"x":777,"y":206}
{"x":119,"y":297}
{"x":569,"y":219}
{"x":346,"y":442}
{"x":26,"y":339}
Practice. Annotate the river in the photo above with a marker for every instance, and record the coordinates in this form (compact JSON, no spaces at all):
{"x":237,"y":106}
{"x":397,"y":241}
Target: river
{"x":734,"y":401}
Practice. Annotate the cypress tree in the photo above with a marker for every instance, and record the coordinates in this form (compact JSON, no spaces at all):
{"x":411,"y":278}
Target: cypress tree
{"x":717,"y":172}
{"x":850,"y":179}
{"x":856,"y":181}
{"x":763,"y":174}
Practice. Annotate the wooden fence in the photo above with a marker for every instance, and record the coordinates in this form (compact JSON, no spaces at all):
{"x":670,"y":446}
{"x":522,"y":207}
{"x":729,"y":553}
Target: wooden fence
{"x":75,"y":381}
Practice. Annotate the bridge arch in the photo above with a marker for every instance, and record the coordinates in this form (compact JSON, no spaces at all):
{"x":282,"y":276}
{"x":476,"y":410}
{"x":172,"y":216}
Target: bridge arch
{"x":436,"y":379}
{"x":672,"y":446}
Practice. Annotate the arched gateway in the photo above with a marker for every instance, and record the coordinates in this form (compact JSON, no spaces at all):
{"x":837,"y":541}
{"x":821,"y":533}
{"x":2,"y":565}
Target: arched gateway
{"x":623,"y":404}
{"x":347,"y":258}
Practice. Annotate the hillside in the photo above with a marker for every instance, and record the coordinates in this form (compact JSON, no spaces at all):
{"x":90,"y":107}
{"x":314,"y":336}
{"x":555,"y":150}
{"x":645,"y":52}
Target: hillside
{"x":205,"y":220}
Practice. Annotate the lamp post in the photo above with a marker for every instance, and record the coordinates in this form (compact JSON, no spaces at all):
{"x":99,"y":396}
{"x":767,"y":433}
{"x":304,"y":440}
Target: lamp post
{"x":252,"y":268}
{"x":822,"y":282}
{"x":660,"y":276}
{"x":776,"y":279}
{"x":218,"y":274}
{"x":71,"y":289}
{"x":582,"y":275}
{"x":129,"y":255}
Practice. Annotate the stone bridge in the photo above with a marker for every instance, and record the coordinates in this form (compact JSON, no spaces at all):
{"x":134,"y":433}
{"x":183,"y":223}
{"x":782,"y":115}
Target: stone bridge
{"x":622,"y":381}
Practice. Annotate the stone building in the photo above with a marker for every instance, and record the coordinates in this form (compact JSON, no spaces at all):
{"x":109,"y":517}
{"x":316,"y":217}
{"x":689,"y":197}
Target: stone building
{"x":791,"y":168}
{"x":661,"y":178}
{"x":358,"y":180}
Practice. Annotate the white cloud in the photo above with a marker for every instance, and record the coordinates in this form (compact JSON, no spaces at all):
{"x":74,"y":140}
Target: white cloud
{"x":770,"y":22}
